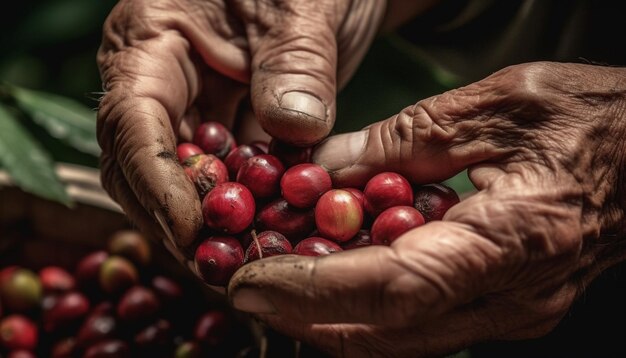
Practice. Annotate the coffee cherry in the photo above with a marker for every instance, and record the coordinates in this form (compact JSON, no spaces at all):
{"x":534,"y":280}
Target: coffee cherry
{"x":87,"y":271}
{"x":385,"y":190}
{"x":214,"y":138}
{"x":361,"y":239}
{"x":18,"y":332}
{"x":212,"y":328}
{"x":186,"y":150}
{"x":228,"y":208}
{"x":393,"y":222}
{"x":289,"y":154}
{"x":20,"y":289}
{"x":316,"y":246}
{"x":261,"y":174}
{"x":303,"y":184}
{"x":338,"y":215}
{"x":295,"y":224}
{"x":100,"y":325}
{"x":217,"y":258}
{"x":167,"y":290}
{"x":272,"y":243}
{"x":117,"y":274}
{"x":154,"y":337}
{"x":434,"y":200}
{"x":238,"y":156}
{"x":67,"y":311}
{"x":138,"y":304}
{"x":205,"y":171}
{"x":65,"y":348}
{"x":56,"y":280}
{"x":131,"y":245}
{"x":108,"y":349}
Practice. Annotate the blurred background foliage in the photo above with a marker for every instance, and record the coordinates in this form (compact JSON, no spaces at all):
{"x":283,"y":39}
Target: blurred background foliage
{"x":49,"y":85}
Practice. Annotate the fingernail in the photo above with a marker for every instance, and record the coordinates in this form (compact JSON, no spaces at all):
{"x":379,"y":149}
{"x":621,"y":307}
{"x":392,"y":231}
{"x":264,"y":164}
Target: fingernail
{"x":166,"y":229}
{"x":304,"y":103}
{"x":252,"y":301}
{"x":340,"y":151}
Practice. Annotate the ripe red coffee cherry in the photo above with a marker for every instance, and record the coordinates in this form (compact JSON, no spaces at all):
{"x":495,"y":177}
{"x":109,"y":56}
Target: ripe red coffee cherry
{"x":205,"y":171}
{"x":393,"y":222}
{"x":18,"y":332}
{"x":316,"y":246}
{"x":22,"y":353}
{"x":65,"y":348}
{"x":238,"y":156}
{"x":138,"y":304}
{"x":217,"y":258}
{"x":68,"y":310}
{"x":261,"y":174}
{"x":292,"y":222}
{"x":212,"y":328}
{"x":56,"y":279}
{"x":166,"y":289}
{"x":186,"y":150}
{"x":87,"y":271}
{"x":228,"y":208}
{"x":338,"y":215}
{"x":117,"y":274}
{"x":361,"y":239}
{"x":20,"y":289}
{"x":101,"y":324}
{"x":358,"y":194}
{"x":303,"y":184}
{"x":272,"y":243}
{"x":289,"y":154}
{"x":434,"y":200}
{"x":214,"y":138}
{"x":385,"y":190}
{"x":154,"y":337}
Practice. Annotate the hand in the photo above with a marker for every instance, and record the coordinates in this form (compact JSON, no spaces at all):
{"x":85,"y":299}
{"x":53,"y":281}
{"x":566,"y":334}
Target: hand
{"x":168,"y":65}
{"x":543,"y":144}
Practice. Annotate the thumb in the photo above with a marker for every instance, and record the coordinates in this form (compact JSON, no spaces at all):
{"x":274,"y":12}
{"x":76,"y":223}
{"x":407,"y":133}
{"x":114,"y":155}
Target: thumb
{"x":294,"y":66}
{"x":427,"y":142}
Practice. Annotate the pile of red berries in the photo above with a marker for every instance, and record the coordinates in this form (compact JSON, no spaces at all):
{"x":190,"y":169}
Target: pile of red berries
{"x":116,"y":303}
{"x":265,"y":199}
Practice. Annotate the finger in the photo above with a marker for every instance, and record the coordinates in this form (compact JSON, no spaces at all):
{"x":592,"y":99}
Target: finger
{"x":428,"y":142}
{"x":414,"y":279}
{"x":149,"y":87}
{"x":294,"y":65}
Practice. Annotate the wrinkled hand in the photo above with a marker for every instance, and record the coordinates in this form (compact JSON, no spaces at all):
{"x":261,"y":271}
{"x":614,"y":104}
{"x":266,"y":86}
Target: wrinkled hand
{"x":544,"y":145}
{"x":168,"y":65}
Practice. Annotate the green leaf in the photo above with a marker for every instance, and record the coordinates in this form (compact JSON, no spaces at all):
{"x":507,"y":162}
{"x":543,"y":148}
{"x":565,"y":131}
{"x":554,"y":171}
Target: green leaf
{"x":27,"y":162}
{"x":63,"y":118}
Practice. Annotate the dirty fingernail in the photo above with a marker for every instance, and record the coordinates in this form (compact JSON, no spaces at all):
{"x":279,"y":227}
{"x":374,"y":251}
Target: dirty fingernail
{"x":340,"y":151}
{"x":304,"y":103}
{"x":252,"y":301}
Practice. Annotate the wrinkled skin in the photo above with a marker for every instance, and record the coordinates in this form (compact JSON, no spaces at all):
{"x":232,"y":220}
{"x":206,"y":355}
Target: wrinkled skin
{"x":544,"y":145}
{"x":167,"y":65}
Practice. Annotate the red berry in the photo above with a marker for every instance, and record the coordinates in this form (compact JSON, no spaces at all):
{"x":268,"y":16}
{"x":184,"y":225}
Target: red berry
{"x":214,"y":138}
{"x":68,"y":310}
{"x":303,"y":184}
{"x":393,"y":222}
{"x":358,"y":194}
{"x":338,"y":215}
{"x":212,"y":328}
{"x":217,"y":258}
{"x":65,"y":348}
{"x":434,"y":200}
{"x":155,"y":336}
{"x":166,"y":289}
{"x":18,"y":332}
{"x":289,"y":154}
{"x":117,"y":274}
{"x":87,"y":271}
{"x":238,"y":156}
{"x":361,"y":239}
{"x":272,"y":243}
{"x":205,"y":171}
{"x":56,"y":280}
{"x":385,"y":190}
{"x":186,"y":150}
{"x":100,"y":325}
{"x":138,"y":304}
{"x":316,"y":246}
{"x":108,"y":349}
{"x":21,"y":354}
{"x":261,"y":174}
{"x":20,"y":289}
{"x":279,"y":216}
{"x":228,"y":208}
{"x":131,"y":245}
